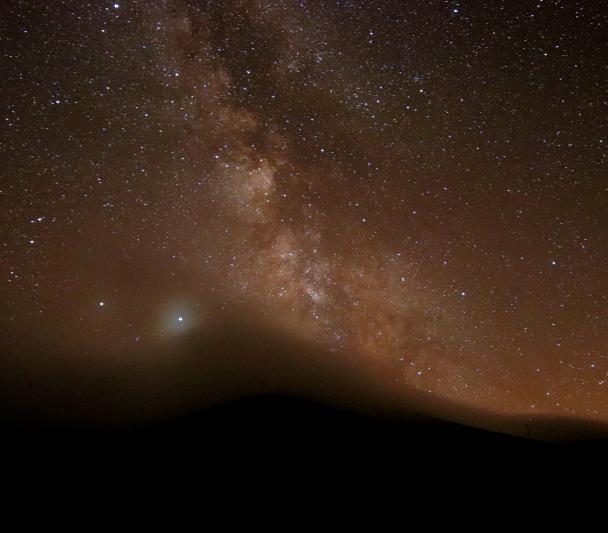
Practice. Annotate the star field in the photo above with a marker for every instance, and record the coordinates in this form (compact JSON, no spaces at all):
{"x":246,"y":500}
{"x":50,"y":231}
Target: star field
{"x":421,"y":185}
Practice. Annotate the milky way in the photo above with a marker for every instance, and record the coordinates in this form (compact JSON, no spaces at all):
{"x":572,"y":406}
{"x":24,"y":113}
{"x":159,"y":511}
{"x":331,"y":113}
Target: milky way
{"x":421,"y":185}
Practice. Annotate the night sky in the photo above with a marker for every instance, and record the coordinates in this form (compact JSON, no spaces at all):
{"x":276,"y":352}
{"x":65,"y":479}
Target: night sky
{"x":418,"y":185}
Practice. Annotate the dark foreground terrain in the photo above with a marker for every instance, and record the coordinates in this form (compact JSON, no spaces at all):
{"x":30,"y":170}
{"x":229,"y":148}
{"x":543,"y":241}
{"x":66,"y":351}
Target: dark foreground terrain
{"x":283,"y":434}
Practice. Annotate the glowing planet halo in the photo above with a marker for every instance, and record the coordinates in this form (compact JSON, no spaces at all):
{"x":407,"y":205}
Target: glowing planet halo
{"x":180,"y":317}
